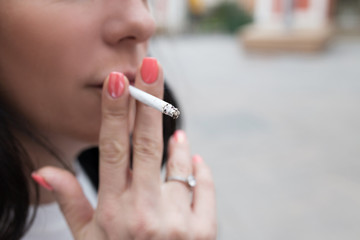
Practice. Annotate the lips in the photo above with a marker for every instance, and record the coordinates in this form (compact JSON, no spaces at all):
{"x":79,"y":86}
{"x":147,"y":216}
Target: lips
{"x":129,"y":75}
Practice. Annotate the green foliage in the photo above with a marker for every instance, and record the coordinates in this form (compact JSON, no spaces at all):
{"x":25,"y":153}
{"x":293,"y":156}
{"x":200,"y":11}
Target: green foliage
{"x":226,"y":17}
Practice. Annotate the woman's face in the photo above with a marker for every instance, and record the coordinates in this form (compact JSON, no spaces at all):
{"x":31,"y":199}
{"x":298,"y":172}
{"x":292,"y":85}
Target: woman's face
{"x":55,"y":54}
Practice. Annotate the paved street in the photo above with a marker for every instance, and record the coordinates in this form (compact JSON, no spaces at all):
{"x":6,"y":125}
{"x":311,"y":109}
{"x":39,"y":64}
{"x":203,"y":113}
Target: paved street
{"x":280,"y":132}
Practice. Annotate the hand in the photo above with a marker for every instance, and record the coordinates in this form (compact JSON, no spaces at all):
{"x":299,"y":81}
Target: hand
{"x":136,"y":204}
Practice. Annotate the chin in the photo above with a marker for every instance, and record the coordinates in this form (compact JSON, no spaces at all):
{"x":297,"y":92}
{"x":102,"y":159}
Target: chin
{"x":80,"y":139}
{"x":90,"y":138}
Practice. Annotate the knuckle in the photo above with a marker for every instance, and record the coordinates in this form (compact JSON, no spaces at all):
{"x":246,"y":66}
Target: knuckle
{"x":208,"y":184}
{"x":180,"y":166}
{"x":146,"y":146}
{"x":178,"y":232}
{"x":206,"y":172}
{"x":114,"y":115}
{"x":111,"y":151}
{"x":177,"y":227}
{"x":206,"y":180}
{"x":142,"y":227}
{"x":104,"y":217}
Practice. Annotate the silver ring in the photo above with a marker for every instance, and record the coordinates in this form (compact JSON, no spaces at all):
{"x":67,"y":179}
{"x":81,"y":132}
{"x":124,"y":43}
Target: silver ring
{"x":190,"y":180}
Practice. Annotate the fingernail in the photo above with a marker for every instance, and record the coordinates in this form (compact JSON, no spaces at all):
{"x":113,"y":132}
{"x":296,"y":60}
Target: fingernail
{"x":149,"y":70}
{"x":197,"y":159}
{"x":180,"y":136}
{"x":116,"y":84}
{"x":41,"y":181}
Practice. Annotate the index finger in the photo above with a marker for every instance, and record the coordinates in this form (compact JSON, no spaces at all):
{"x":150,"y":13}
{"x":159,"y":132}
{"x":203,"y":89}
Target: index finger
{"x":114,"y":137}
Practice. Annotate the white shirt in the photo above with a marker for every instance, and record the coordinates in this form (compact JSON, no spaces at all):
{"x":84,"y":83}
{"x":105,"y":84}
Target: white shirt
{"x":49,"y":222}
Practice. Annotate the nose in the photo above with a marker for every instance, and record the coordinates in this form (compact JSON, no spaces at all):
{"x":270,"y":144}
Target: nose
{"x":128,"y":20}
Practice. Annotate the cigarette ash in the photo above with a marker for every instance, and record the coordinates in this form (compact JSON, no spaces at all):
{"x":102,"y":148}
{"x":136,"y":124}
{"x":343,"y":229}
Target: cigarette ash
{"x":171,"y":111}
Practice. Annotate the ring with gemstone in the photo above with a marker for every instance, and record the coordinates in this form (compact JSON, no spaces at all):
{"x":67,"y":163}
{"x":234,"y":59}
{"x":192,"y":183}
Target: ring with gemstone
{"x":190,"y":180}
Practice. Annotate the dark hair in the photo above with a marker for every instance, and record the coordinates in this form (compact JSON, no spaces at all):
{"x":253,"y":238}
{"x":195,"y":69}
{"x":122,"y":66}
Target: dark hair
{"x":15,"y":166}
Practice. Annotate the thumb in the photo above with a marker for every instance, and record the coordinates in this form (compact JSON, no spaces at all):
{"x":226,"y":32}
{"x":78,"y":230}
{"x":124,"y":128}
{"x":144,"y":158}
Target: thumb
{"x":69,"y":195}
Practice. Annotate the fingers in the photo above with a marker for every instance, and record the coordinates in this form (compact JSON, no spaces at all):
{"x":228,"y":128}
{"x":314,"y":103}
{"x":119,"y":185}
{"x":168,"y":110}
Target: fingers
{"x":179,"y":165}
{"x":147,"y":135}
{"x":204,"y":194}
{"x":69,"y":195}
{"x":114,"y":137}
{"x":202,"y":210}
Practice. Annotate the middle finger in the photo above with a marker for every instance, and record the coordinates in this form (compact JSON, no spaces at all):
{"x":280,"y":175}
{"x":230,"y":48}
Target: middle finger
{"x":147,"y":135}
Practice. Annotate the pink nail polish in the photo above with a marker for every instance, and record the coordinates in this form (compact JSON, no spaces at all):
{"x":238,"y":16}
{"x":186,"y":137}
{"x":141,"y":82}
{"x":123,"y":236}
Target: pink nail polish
{"x":180,"y":136}
{"x":116,"y":84}
{"x":149,"y":70}
{"x":41,"y":181}
{"x":197,"y":159}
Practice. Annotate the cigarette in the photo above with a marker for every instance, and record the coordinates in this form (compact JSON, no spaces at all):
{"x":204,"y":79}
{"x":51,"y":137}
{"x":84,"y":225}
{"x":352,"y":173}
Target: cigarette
{"x":157,"y":103}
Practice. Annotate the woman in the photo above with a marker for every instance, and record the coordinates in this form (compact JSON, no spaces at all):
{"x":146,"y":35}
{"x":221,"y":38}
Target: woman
{"x":65,"y":68}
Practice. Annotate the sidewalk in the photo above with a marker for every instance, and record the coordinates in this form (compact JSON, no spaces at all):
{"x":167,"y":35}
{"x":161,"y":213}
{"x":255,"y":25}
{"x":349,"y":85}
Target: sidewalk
{"x":281,"y":133}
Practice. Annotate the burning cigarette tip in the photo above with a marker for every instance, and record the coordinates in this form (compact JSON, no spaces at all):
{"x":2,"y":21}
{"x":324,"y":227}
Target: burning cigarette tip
{"x":171,"y":111}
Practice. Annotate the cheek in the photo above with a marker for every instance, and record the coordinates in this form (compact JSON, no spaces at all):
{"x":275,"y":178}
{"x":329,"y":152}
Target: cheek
{"x":72,"y":113}
{"x":55,"y":44}
{"x":41,"y":68}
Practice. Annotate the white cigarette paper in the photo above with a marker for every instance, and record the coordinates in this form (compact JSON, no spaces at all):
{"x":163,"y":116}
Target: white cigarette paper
{"x":154,"y":102}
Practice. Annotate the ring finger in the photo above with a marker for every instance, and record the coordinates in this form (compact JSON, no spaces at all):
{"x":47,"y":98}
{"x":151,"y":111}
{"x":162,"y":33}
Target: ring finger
{"x":179,"y":166}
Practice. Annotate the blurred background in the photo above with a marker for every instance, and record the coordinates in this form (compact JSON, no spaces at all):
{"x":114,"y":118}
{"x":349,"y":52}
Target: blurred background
{"x":270,"y":96}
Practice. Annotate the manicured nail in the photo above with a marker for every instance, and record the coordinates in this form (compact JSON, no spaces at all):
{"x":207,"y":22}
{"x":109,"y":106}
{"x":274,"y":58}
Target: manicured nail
{"x":197,"y":159}
{"x":149,"y":70}
{"x":116,"y":84}
{"x":180,"y":136}
{"x":41,"y":181}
